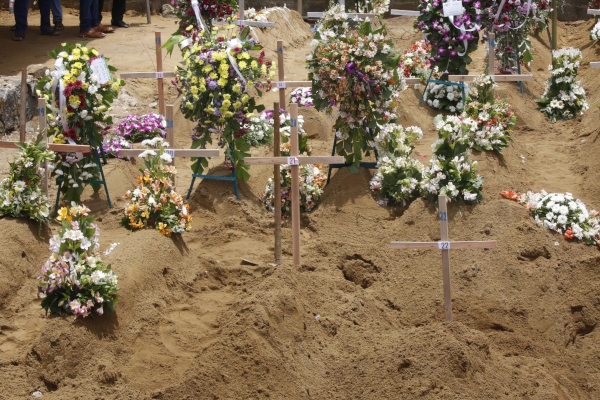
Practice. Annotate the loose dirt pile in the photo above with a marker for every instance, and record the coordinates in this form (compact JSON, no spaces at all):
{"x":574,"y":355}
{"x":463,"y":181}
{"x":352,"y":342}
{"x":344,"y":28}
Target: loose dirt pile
{"x":357,"y":320}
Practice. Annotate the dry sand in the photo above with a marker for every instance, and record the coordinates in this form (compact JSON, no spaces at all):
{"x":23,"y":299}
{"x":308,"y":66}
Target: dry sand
{"x":357,"y":320}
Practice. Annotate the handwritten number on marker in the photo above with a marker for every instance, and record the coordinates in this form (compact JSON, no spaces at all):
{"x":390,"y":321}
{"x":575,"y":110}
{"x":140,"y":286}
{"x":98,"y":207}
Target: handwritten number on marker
{"x":293,"y":161}
{"x":41,"y":111}
{"x":160,"y":74}
{"x":169,"y":123}
{"x":444,"y":245}
{"x":293,"y":122}
{"x":443,"y":216}
{"x":281,"y":85}
{"x":170,"y":152}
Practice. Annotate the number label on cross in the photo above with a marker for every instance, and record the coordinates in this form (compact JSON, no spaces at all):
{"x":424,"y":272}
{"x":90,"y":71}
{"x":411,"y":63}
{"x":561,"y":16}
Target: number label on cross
{"x":169,"y":124}
{"x":293,"y":122}
{"x":293,"y":161}
{"x":160,"y":75}
{"x":444,"y":245}
{"x":280,"y":85}
{"x":170,"y":152}
{"x":157,"y":40}
{"x":443,"y":216}
{"x":41,"y":111}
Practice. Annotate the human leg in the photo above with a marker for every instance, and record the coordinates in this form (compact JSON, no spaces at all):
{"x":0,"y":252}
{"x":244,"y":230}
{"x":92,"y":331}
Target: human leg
{"x":21,"y":10}
{"x":57,"y":17}
{"x":118,"y":10}
{"x":45,"y":26}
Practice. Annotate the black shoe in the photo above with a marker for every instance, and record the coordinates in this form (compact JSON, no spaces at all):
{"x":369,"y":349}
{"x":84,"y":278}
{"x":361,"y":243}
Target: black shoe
{"x":59,"y":26}
{"x":51,"y":33}
{"x":119,"y":24}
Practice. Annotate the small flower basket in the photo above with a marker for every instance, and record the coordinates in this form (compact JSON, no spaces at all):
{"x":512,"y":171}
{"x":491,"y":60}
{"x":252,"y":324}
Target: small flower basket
{"x":74,"y":279}
{"x":155,"y":202}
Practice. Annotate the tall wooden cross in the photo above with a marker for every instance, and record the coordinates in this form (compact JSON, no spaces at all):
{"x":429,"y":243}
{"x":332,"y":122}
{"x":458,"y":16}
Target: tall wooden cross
{"x":294,"y":160}
{"x":492,"y":68}
{"x":444,"y":245}
{"x":171,"y":140}
{"x":63,"y":148}
{"x":159,"y":75}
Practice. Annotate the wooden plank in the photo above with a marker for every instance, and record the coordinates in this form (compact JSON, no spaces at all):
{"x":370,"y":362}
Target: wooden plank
{"x":459,"y":245}
{"x":257,"y":24}
{"x":177,"y":152}
{"x":443,"y":216}
{"x":159,"y":67}
{"x":295,"y":170}
{"x":301,"y":159}
{"x":497,"y":78}
{"x":142,"y":75}
{"x":412,"y":81}
{"x":23,"y":112}
{"x":281,"y":84}
{"x":44,"y":133}
{"x":69,"y":148}
{"x":350,"y":15}
{"x":593,"y":12}
{"x":595,"y":64}
{"x":406,"y":13}
{"x":4,"y":144}
{"x":277,"y":181}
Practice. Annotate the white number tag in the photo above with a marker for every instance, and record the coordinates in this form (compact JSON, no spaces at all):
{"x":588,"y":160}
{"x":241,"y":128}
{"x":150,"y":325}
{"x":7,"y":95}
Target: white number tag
{"x":453,"y":7}
{"x":280,"y":85}
{"x":444,"y":245}
{"x":293,"y":161}
{"x":170,"y":152}
{"x":160,"y":74}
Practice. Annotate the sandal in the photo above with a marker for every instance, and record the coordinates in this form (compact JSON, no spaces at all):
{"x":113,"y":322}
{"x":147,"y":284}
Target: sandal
{"x":53,"y":32}
{"x":92,"y":34}
{"x":105,"y":29}
{"x":17,"y":37}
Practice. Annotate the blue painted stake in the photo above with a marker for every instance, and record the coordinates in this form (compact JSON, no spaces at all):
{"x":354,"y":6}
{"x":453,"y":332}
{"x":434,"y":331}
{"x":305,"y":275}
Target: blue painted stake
{"x":232,"y":178}
{"x":367,"y":165}
{"x":447,"y":83}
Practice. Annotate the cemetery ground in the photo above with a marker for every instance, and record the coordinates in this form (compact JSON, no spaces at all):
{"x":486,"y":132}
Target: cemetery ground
{"x":358,"y":319}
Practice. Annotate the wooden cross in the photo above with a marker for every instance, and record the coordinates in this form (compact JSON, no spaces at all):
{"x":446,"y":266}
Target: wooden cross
{"x":158,"y":75}
{"x":405,"y":13}
{"x":294,"y":160}
{"x":171,"y":140}
{"x":492,"y":68}
{"x":444,"y":245}
{"x":241,"y":21}
{"x":63,"y":148}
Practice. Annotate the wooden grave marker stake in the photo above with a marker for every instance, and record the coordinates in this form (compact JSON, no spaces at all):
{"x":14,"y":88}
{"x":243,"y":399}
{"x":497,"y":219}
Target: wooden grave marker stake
{"x":492,"y":68}
{"x":159,"y":75}
{"x":170,"y":138}
{"x":294,"y":160}
{"x":64,"y":148}
{"x":444,"y":245}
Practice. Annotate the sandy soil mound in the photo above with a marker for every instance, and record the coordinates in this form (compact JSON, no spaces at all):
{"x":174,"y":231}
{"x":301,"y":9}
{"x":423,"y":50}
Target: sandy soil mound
{"x":357,"y":320}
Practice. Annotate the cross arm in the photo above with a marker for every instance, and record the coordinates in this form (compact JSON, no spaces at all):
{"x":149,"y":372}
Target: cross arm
{"x":259,"y":24}
{"x":412,"y":81}
{"x":137,"y":75}
{"x":497,"y":78}
{"x":176,"y":152}
{"x":406,"y":13}
{"x":292,"y":84}
{"x":593,"y":12}
{"x":595,"y":64}
{"x":350,"y":15}
{"x":436,"y":245}
{"x":63,"y":148}
{"x":301,"y":160}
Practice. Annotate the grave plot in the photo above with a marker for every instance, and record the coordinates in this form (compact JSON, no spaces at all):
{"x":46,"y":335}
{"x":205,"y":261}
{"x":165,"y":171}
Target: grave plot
{"x":357,"y":318}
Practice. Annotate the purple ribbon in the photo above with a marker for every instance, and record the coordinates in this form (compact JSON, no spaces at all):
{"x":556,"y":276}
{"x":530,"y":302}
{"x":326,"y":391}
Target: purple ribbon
{"x":351,"y":69}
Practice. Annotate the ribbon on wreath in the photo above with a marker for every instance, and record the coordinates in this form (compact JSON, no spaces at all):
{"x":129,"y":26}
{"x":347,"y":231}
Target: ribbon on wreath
{"x":463,"y":31}
{"x":351,"y":69}
{"x":57,"y":80}
{"x":231,"y":45}
{"x":196,"y":9}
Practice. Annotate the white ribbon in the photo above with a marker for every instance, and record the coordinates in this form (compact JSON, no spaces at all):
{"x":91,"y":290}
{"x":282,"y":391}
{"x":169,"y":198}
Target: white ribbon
{"x":185,"y":43}
{"x":233,"y":44}
{"x":196,"y":8}
{"x":463,"y":30}
{"x":78,"y":154}
{"x":57,"y":79}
